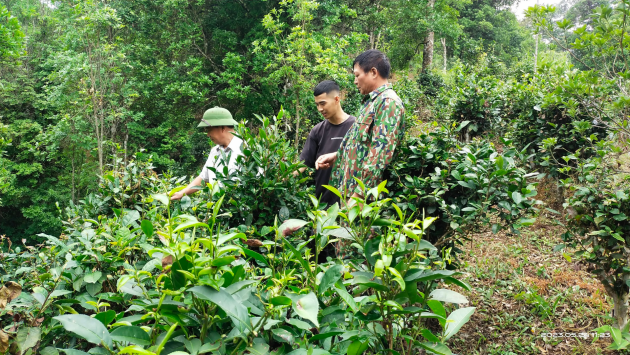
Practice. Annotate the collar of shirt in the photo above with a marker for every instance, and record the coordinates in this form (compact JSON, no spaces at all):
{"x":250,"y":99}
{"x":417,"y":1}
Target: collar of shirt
{"x":380,"y":90}
{"x":235,"y":145}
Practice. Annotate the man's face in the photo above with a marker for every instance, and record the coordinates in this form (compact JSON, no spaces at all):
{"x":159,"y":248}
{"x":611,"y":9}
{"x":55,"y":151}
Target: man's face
{"x":215,"y":134}
{"x":327,"y":104}
{"x":364,"y":80}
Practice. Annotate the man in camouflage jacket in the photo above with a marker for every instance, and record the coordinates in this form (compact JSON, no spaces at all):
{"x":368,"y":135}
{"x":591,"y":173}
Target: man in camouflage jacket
{"x":369,"y":146}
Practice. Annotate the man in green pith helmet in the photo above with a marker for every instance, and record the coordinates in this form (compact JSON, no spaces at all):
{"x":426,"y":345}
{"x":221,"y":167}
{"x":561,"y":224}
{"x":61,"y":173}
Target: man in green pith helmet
{"x":219,"y":125}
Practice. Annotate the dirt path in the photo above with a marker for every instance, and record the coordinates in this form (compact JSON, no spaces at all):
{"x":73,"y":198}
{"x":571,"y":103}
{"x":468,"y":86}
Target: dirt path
{"x":522,"y":289}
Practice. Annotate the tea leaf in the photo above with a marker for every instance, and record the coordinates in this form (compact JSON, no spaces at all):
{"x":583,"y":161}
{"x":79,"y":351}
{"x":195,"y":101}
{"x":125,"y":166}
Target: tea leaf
{"x":131,"y":334}
{"x":306,"y":306}
{"x":330,"y":277}
{"x":234,"y":309}
{"x":86,"y":327}
{"x":458,"y":318}
{"x":445,"y":295}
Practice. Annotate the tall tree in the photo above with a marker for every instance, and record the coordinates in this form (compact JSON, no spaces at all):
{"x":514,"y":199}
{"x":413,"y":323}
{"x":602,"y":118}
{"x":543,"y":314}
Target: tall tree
{"x":11,"y":35}
{"x":296,"y":57}
{"x":414,"y":25}
{"x":444,"y":57}
{"x":580,"y":12}
{"x":427,"y":52}
{"x":94,"y":85}
{"x":490,"y":27}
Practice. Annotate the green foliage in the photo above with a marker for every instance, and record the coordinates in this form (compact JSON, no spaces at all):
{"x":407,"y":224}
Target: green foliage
{"x":489,"y":26}
{"x":542,"y":123}
{"x":265,"y":186}
{"x":465,"y":187}
{"x":410,"y":95}
{"x":104,"y":79}
{"x":599,"y":93}
{"x":580,"y":11}
{"x":11,"y":35}
{"x":411,"y":21}
{"x":620,"y":336}
{"x":544,"y":306}
{"x":599,"y":215}
{"x":297,"y":59}
{"x":594,"y":49}
{"x":584,"y":147}
{"x":156,"y":278}
{"x":430,"y":84}
{"x":548,"y":115}
{"x":595,"y":220}
{"x":125,"y":270}
{"x":477,"y":104}
{"x":29,"y":186}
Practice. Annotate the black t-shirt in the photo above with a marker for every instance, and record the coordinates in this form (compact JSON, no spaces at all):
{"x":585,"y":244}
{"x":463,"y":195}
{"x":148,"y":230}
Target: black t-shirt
{"x":324,"y":138}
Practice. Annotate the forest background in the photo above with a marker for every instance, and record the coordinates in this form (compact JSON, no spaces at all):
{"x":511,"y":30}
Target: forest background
{"x":84,"y":84}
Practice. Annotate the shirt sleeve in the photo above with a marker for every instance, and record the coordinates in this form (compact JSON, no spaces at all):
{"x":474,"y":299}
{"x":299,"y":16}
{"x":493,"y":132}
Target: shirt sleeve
{"x":385,"y":135}
{"x":309,"y":152}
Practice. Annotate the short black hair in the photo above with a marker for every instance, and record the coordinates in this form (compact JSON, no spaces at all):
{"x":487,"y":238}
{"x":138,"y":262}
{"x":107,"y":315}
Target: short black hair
{"x":373,"y":58}
{"x":326,"y":87}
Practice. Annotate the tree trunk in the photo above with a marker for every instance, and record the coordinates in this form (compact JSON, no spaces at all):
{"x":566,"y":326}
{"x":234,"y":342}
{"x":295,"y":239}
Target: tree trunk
{"x":620,"y":309}
{"x":372,"y":39}
{"x":297,"y":118}
{"x":378,"y":39}
{"x":98,"y":127}
{"x":73,"y":185}
{"x":620,"y":300}
{"x":114,"y":148}
{"x":444,"y":51}
{"x":298,"y":91}
{"x":427,"y":53}
{"x":73,"y":157}
{"x":536,"y":55}
{"x":101,"y":152}
{"x":125,"y":145}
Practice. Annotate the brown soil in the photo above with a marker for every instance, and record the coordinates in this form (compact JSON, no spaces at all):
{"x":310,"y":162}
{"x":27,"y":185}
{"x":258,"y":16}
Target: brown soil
{"x":502,"y":269}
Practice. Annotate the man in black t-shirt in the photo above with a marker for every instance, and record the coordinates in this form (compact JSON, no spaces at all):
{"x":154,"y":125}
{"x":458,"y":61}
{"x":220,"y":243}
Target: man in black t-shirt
{"x":326,"y":136}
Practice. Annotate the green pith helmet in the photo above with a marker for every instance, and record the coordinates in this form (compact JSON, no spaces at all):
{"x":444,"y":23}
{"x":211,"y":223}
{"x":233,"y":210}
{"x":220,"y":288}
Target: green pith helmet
{"x":217,"y":116}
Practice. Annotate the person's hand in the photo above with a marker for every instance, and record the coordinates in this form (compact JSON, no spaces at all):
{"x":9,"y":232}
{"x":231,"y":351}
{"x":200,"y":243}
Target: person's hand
{"x":299,"y":171}
{"x":325,"y":161}
{"x":177,"y":196}
{"x":351,"y":201}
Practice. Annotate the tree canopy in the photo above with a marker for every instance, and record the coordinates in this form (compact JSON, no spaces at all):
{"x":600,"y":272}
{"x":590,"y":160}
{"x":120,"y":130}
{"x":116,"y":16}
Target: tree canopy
{"x":85,"y":83}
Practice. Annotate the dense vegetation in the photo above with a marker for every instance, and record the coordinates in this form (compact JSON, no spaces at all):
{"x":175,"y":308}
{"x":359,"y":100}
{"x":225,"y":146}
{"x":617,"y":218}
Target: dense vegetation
{"x":98,"y":107}
{"x":95,"y":81}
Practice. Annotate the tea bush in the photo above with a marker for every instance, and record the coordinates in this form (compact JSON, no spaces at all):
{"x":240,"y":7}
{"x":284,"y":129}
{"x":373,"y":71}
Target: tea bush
{"x":596,"y":215}
{"x":430,"y":84}
{"x":539,"y":113}
{"x":410,"y":95}
{"x":464,"y":186}
{"x":154,"y":279}
{"x":474,"y":103}
{"x":264,"y":187}
{"x":594,"y":101}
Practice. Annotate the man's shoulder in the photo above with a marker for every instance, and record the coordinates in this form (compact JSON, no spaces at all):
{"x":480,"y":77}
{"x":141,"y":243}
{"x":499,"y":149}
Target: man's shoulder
{"x":236,"y":144}
{"x":316,"y":131}
{"x":214,"y":150}
{"x":391,"y":95}
{"x":319,"y":126}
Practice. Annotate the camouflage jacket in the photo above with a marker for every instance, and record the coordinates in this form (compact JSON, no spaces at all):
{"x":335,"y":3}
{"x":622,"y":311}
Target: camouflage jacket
{"x":369,"y":145}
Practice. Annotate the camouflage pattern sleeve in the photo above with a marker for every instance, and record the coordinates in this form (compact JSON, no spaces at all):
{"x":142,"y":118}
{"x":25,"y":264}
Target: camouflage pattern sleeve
{"x":386,"y":132}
